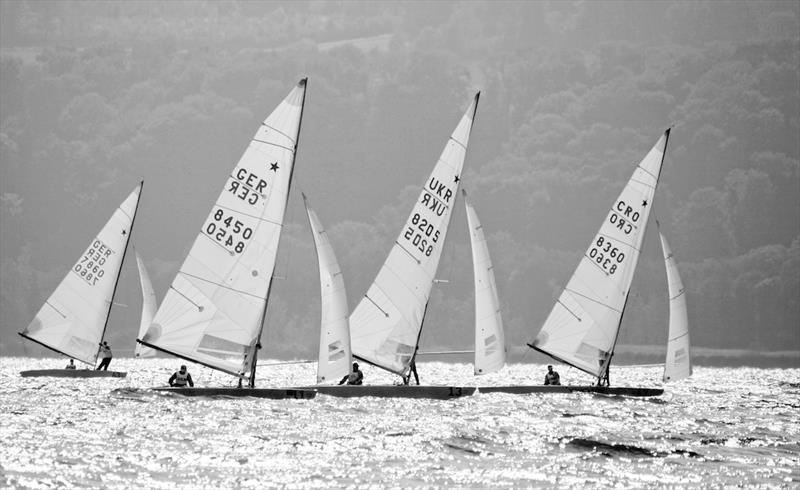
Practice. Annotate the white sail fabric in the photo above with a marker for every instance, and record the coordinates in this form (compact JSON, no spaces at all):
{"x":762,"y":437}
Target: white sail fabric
{"x":490,"y":345}
{"x":149,"y":306}
{"x":73,"y":319}
{"x":583,"y":325}
{"x":335,"y":357}
{"x":385,"y":326}
{"x":212,"y":312}
{"x":678,"y":363}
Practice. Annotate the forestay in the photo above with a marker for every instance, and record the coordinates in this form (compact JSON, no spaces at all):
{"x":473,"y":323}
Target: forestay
{"x":213,"y":311}
{"x":678,"y":363}
{"x":386,"y":324}
{"x":335,"y":357}
{"x":73,"y":319}
{"x":583,"y":325}
{"x":149,"y":306}
{"x":490,"y":347}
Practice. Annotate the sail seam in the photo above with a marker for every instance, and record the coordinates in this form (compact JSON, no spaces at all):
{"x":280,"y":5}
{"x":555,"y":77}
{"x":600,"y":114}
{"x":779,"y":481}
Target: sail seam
{"x":223,"y":286}
{"x":274,"y":144}
{"x":259,"y":218}
{"x":278,"y":131}
{"x":57,"y":310}
{"x":462,"y":145}
{"x":406,"y":251}
{"x":593,"y":300}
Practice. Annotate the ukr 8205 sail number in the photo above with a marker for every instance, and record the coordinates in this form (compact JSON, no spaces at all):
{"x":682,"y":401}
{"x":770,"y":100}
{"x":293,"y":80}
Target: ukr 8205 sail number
{"x":420,"y":233}
{"x":228,"y":231}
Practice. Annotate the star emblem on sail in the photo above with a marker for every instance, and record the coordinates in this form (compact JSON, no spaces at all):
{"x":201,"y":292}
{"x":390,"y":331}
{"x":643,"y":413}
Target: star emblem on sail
{"x":386,"y":324}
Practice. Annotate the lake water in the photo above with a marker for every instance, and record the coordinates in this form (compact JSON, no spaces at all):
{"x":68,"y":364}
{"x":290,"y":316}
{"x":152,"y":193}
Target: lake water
{"x":722,"y":427}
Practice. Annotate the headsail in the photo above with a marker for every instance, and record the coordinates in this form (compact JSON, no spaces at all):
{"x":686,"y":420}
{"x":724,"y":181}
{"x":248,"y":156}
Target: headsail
{"x":678,"y":363}
{"x":490,"y":346}
{"x":583,"y":325}
{"x":335,"y":357}
{"x":213,"y":312}
{"x":386,"y":324}
{"x":149,"y":306}
{"x":73,"y":319}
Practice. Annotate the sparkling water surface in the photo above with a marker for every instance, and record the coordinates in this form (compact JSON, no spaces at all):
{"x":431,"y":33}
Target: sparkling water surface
{"x":722,"y":427}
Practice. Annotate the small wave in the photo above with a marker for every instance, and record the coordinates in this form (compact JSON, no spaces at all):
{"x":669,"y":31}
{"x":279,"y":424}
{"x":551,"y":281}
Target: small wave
{"x":610,"y":449}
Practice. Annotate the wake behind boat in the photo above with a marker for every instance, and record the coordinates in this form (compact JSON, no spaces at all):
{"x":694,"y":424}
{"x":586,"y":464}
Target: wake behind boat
{"x":213,"y":313}
{"x":74,"y":318}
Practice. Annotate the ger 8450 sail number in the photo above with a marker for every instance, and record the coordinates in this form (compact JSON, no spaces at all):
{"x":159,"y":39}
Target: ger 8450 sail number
{"x":228,"y":231}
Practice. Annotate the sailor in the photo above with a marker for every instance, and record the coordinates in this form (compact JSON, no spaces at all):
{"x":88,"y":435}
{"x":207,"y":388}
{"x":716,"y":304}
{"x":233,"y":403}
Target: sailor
{"x":552,"y":377}
{"x":354,"y":378}
{"x":181,"y":378}
{"x":106,"y":355}
{"x":71,"y":364}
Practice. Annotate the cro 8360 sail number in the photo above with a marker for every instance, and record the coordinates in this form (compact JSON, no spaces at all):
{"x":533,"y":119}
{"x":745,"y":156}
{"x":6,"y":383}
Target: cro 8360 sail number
{"x":230,"y":232}
{"x":606,"y":255}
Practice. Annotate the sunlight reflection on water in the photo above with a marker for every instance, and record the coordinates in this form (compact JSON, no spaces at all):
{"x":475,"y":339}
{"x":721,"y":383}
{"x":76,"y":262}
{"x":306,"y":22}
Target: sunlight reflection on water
{"x":722,"y":427}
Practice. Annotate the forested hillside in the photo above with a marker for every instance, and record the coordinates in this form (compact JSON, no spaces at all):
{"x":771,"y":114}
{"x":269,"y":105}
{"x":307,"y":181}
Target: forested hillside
{"x":95,"y":96}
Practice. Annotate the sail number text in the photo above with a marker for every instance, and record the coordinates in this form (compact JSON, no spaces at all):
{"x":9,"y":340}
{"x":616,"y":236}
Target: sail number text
{"x":623,"y":217}
{"x":247,"y":186}
{"x":228,"y":231}
{"x":421,"y":234}
{"x":90,"y":267}
{"x":606,"y":254}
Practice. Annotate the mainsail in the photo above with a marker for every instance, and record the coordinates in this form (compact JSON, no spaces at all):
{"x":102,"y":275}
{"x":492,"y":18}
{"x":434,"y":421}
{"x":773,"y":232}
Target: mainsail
{"x":149,"y":306}
{"x":386,"y":324}
{"x":490,"y":347}
{"x":213,"y":312}
{"x":335,"y":357}
{"x":678,"y":363}
{"x":73,"y":320}
{"x":583,"y":326}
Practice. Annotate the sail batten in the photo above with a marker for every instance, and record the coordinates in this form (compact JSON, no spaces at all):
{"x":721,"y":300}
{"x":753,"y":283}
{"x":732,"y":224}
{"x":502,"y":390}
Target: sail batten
{"x":213,"y":312}
{"x":583,"y":326}
{"x":386,"y":324}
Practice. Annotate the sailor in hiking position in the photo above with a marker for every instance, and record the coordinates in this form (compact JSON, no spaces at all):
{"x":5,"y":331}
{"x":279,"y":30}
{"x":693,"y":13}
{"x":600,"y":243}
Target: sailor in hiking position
{"x":354,"y":378}
{"x":105,"y":355}
{"x":552,"y":377}
{"x":181,"y":378}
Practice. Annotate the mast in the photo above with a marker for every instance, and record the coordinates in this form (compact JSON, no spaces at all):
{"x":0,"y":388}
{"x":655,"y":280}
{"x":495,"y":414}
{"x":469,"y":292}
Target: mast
{"x":254,"y":350}
{"x":119,"y":271}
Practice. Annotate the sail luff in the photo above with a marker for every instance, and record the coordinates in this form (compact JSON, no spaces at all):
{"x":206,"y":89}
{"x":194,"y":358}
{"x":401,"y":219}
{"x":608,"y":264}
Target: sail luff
{"x":73,"y":319}
{"x":678,"y":364}
{"x":213,"y":311}
{"x":490,"y":348}
{"x":583,"y":326}
{"x":385,"y":326}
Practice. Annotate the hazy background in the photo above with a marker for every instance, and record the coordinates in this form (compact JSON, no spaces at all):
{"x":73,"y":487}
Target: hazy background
{"x":96,"y":96}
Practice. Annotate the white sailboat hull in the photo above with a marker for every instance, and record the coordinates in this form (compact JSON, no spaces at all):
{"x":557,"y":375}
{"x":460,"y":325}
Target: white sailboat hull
{"x":72,"y":373}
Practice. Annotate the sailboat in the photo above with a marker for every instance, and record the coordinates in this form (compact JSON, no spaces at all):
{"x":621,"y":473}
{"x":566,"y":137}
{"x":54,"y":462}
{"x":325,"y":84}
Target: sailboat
{"x":335,"y":356}
{"x":74,"y":318}
{"x":490,"y":347}
{"x":213,"y":313}
{"x":386,"y":325}
{"x":678,"y":363}
{"x":149,"y":307}
{"x":583,"y":326}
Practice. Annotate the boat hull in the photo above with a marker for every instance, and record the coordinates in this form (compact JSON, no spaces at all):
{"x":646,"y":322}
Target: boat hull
{"x":393,"y":391}
{"x":602,"y":390}
{"x":72,"y":373}
{"x":273,"y":393}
